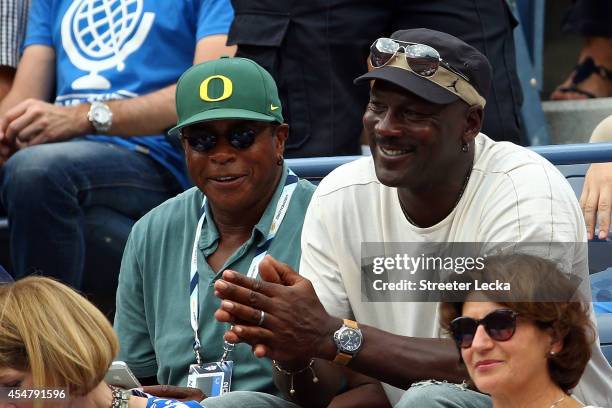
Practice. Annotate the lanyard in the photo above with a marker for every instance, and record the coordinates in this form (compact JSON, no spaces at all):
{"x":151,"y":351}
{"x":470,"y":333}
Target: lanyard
{"x":194,"y":277}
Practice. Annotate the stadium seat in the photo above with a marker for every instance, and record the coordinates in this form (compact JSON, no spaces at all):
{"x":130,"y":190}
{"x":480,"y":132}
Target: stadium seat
{"x":604,"y":324}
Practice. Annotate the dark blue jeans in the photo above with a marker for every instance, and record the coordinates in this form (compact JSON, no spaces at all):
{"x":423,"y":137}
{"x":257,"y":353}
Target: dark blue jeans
{"x":47,"y":190}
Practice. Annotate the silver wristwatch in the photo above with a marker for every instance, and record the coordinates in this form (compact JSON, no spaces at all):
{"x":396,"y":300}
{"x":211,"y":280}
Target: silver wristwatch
{"x":100,"y":116}
{"x":348,"y":339}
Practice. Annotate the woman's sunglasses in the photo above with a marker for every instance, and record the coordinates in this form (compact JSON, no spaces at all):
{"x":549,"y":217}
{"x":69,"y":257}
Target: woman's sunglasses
{"x":202,"y":141}
{"x":422,"y":59}
{"x":500,"y":325}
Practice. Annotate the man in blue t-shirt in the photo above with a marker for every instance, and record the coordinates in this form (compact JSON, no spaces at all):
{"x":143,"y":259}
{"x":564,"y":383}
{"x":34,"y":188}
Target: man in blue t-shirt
{"x":110,"y":67}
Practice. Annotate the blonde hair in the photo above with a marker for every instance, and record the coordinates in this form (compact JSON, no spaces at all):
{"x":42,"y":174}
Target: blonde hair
{"x":50,"y":330}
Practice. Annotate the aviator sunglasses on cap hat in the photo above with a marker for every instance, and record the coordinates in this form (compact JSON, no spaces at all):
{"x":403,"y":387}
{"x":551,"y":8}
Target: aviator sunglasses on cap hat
{"x":422,"y":59}
{"x":500,"y":325}
{"x":433,"y":65}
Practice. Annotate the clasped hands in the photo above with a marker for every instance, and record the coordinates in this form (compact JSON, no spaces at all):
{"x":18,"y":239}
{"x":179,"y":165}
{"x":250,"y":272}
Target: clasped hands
{"x":33,"y":122}
{"x":295,"y":327}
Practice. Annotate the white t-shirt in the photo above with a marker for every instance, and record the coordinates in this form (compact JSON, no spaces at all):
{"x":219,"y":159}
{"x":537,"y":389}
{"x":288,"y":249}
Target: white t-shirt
{"x":513,"y":195}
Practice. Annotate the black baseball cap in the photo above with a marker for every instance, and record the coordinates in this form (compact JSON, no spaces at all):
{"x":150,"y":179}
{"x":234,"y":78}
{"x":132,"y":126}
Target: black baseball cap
{"x":462,"y":58}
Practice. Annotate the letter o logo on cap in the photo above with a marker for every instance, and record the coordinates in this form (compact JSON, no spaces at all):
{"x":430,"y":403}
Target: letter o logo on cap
{"x":228,"y":88}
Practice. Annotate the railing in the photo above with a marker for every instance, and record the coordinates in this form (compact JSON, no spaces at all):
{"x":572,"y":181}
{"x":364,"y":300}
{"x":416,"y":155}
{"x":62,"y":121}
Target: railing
{"x":576,"y":153}
{"x":314,"y":167}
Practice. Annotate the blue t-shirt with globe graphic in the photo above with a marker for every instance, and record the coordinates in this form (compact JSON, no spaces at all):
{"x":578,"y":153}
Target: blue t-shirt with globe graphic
{"x":116,"y":49}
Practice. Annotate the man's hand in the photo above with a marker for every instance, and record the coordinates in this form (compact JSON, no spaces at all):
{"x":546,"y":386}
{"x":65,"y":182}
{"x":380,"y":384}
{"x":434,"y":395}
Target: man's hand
{"x":175,"y":393}
{"x":596,"y":199}
{"x":7,"y":147}
{"x":296,"y":326}
{"x":33,"y":122}
{"x":7,"y":75}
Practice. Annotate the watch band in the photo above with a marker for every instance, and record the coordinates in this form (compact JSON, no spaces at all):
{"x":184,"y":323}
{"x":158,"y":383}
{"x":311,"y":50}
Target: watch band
{"x":350,"y":323}
{"x":341,"y":357}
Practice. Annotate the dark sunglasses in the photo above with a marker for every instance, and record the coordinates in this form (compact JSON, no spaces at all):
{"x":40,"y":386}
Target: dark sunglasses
{"x":500,"y":325}
{"x":201,"y":140}
{"x":422,"y":59}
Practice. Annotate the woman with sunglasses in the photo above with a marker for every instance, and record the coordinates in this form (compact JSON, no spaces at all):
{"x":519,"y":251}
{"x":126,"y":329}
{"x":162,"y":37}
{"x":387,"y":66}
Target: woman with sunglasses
{"x":528,"y":348}
{"x":56,"y":345}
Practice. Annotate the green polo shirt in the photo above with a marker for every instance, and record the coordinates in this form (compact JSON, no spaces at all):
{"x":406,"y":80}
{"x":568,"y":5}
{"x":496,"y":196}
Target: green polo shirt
{"x":152,"y":319}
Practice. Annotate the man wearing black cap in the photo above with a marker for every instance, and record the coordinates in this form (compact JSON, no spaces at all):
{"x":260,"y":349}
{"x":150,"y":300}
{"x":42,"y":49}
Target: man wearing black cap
{"x":432,"y":178}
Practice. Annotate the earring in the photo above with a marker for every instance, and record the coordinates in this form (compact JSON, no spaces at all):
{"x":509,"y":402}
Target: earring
{"x":280,"y":160}
{"x":552,"y":353}
{"x":465,"y":148}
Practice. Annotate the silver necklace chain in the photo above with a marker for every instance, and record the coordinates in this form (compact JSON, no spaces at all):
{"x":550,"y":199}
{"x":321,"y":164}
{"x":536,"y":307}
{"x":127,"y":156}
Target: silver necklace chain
{"x":554,"y":404}
{"x":465,"y":183}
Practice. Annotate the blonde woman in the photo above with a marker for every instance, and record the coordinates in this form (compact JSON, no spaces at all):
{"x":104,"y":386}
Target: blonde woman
{"x":53,"y":338}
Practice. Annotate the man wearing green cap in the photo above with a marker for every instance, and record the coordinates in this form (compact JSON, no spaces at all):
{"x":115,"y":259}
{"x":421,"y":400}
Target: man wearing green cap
{"x":231,"y":127}
{"x":247,"y":203}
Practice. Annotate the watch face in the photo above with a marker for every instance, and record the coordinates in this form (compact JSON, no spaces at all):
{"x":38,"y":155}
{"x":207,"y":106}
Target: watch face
{"x":100,"y":115}
{"x":349,"y":340}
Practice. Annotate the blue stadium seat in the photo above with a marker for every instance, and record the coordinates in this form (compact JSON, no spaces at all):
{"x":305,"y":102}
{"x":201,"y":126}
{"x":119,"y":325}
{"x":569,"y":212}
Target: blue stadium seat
{"x":574,"y":173}
{"x":601,"y":285}
{"x":604,"y":324}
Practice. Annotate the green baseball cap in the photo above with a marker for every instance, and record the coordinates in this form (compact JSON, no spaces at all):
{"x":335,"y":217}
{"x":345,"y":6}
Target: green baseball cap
{"x":227,"y":88}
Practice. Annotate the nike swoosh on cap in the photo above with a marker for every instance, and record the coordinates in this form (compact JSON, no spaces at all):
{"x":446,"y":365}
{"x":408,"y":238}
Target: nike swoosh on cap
{"x":272,"y":107}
